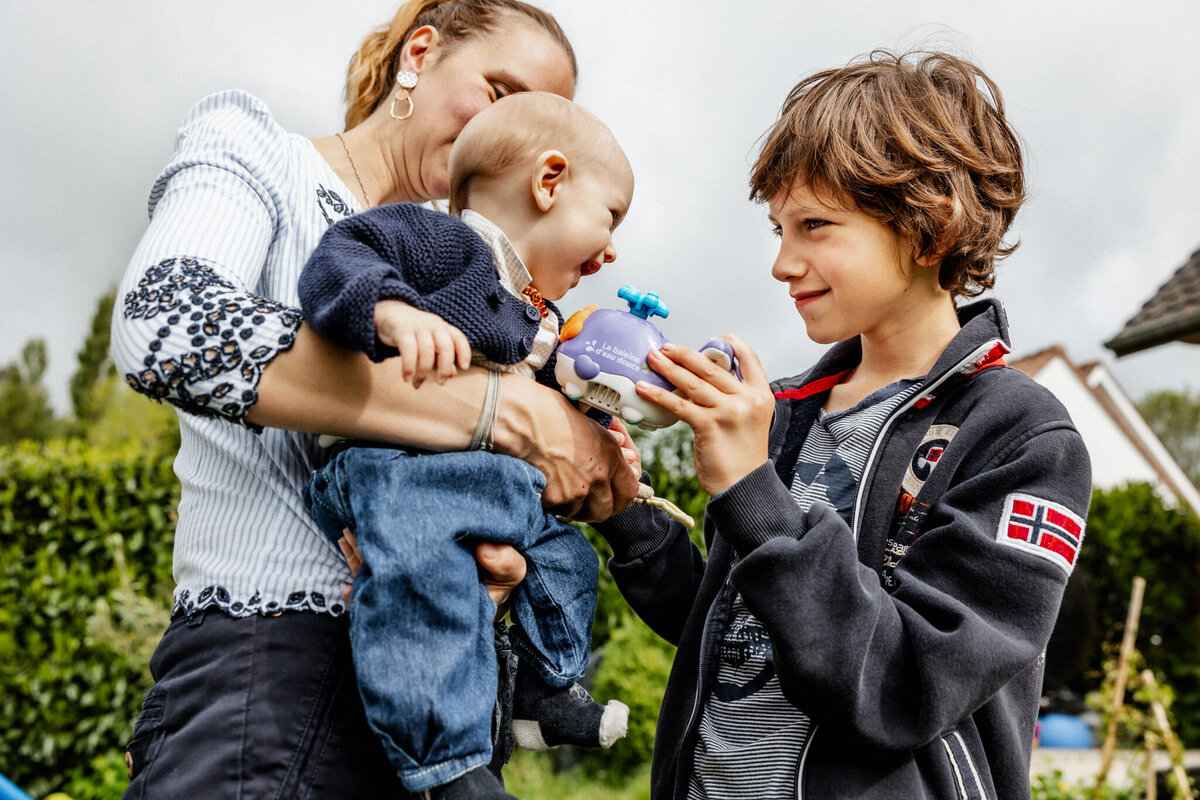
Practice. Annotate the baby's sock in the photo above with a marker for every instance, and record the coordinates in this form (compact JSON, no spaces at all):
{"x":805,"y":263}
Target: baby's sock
{"x":545,"y":717}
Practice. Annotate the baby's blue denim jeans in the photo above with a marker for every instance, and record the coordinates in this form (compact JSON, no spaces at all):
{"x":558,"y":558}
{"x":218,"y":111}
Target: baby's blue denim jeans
{"x":421,"y":621}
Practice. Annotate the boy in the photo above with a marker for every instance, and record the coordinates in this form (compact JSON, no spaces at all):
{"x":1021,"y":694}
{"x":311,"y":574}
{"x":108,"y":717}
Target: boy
{"x":540,"y":185}
{"x":889,"y":533}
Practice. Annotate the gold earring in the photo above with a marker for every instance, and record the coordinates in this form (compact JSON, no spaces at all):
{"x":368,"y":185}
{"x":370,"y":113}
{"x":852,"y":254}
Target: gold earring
{"x":406,"y":79}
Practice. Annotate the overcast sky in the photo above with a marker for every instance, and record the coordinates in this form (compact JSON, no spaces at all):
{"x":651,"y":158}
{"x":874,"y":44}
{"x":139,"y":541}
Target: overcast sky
{"x":1103,"y":96}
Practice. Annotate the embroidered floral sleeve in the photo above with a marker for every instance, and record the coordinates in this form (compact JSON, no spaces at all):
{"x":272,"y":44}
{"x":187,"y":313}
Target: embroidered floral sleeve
{"x":192,"y":326}
{"x":210,"y":342}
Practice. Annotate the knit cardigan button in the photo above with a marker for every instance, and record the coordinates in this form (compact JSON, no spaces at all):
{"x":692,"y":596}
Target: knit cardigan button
{"x":533,"y":314}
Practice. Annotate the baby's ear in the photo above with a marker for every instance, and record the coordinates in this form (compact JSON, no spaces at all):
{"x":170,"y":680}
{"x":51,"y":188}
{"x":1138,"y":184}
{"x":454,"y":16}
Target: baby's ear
{"x":549,"y":174}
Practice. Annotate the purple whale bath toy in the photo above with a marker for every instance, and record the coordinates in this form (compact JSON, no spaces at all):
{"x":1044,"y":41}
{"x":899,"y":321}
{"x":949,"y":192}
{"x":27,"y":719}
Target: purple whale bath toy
{"x":603,"y":355}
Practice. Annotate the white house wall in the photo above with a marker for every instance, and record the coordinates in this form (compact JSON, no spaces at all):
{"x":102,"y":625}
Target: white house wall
{"x":1115,"y":460}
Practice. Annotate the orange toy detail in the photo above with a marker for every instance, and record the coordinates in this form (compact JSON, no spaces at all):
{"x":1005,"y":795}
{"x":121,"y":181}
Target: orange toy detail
{"x":574,"y":323}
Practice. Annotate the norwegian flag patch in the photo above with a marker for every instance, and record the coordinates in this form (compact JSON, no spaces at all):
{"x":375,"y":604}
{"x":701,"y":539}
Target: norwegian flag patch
{"x":1046,"y":529}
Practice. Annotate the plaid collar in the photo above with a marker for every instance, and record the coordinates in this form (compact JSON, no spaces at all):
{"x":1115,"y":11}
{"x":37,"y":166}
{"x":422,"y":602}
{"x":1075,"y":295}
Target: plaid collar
{"x":513,"y":275}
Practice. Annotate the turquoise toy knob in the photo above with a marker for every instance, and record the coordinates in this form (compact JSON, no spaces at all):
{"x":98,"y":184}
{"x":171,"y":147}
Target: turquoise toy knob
{"x":643,"y":305}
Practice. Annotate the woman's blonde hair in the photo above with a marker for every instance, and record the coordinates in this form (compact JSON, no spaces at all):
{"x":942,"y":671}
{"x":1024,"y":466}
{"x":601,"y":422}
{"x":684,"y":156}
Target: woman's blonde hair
{"x":373,"y":68}
{"x":897,"y":136}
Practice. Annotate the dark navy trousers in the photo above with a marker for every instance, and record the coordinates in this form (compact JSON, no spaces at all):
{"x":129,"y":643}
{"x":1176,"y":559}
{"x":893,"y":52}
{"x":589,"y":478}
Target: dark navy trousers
{"x":257,"y":708}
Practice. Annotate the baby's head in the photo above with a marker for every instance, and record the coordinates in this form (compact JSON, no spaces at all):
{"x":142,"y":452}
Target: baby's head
{"x":552,"y":177}
{"x":917,"y":141}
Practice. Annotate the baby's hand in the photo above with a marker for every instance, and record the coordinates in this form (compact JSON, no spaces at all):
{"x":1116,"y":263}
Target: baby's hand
{"x":628,"y":448}
{"x":426,"y":341}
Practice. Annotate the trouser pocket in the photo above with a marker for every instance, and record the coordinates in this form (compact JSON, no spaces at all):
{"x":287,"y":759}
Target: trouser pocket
{"x":147,"y":733}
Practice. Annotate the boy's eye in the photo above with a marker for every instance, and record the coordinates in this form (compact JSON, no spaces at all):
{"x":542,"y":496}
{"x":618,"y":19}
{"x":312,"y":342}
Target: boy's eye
{"x":777,"y":230}
{"x":813,"y":224}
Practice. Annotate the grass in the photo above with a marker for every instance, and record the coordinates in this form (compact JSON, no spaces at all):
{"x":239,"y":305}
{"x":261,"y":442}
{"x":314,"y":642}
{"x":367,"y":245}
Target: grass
{"x":533,"y":776}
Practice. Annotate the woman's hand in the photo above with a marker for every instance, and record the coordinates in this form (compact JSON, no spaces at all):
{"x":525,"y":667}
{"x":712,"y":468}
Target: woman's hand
{"x":730,"y":418}
{"x":501,"y":568}
{"x":629,"y":450}
{"x":587,"y":475}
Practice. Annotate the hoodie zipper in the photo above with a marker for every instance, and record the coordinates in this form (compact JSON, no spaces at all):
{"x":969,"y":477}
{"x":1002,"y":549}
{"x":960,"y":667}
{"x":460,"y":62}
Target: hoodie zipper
{"x":704,"y":640}
{"x":977,"y":359}
{"x":803,"y":758}
{"x":986,"y":354}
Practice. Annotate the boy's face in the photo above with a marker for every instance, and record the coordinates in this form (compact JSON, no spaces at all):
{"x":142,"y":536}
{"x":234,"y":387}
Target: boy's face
{"x":847,"y":273}
{"x":574,"y":236}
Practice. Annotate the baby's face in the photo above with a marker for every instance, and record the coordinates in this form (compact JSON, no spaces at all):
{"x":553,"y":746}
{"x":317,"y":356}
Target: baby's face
{"x":574,"y":238}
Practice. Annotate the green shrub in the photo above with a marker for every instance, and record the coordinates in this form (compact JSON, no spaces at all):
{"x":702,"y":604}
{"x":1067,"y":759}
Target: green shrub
{"x":1130,"y":532}
{"x":636,"y":662}
{"x":85,"y":543}
{"x":634,"y":670}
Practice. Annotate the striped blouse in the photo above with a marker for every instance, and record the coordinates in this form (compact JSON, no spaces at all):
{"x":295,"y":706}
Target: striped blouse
{"x":208,"y":300}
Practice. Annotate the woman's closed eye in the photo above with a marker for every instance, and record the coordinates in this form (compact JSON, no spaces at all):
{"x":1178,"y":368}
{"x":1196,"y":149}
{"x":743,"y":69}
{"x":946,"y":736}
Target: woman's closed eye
{"x":500,"y":90}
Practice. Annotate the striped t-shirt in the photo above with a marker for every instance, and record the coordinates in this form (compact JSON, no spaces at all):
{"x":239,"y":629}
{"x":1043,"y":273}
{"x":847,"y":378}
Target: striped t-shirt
{"x":750,"y":736}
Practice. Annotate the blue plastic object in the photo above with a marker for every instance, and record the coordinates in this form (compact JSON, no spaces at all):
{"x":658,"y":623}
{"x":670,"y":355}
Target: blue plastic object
{"x":1065,"y":731}
{"x":643,"y":305}
{"x":10,"y":791}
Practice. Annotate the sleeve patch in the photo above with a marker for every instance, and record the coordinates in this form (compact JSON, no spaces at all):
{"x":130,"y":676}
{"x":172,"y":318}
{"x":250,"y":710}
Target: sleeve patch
{"x":1043,"y":528}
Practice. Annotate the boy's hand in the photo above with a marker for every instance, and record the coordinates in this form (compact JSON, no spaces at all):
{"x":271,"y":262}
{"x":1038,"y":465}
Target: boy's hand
{"x":730,"y":418}
{"x":426,"y":341}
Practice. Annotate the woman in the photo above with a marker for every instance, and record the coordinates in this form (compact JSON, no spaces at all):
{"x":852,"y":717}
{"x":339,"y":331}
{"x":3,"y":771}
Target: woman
{"x":250,"y":701}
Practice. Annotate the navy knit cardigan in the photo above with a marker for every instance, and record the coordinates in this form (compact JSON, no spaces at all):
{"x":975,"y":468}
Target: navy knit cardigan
{"x":428,"y":259}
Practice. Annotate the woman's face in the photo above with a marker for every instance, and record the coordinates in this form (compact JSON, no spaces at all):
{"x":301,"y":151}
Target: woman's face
{"x":457,"y":83}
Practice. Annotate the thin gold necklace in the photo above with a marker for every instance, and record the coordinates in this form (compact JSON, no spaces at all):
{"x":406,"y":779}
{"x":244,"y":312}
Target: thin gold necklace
{"x":353,"y":166}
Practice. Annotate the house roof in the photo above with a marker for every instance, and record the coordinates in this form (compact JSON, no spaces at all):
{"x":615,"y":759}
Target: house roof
{"x":1124,"y":414}
{"x":1173,"y":313}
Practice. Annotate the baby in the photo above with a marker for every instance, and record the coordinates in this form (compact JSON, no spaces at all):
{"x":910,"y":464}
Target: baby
{"x":538,"y":185}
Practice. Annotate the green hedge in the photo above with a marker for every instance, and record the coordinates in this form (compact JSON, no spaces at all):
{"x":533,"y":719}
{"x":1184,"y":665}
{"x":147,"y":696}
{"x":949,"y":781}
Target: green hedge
{"x":1130,"y":532}
{"x":85,"y":543}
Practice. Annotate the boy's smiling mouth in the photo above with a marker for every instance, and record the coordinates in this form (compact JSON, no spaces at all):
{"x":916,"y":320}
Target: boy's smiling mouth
{"x":804,"y":298}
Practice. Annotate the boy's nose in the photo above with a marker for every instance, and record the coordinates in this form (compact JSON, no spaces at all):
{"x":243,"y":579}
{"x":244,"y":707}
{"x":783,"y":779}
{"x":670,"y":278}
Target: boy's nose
{"x":610,"y":253}
{"x":786,"y":268}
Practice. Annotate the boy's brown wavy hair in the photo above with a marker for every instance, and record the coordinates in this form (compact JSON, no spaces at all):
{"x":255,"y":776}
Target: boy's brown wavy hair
{"x":919,"y":142}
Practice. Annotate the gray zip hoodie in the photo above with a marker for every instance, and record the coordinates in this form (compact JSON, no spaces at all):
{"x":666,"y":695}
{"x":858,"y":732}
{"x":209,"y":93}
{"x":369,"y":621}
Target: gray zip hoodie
{"x":915,"y":641}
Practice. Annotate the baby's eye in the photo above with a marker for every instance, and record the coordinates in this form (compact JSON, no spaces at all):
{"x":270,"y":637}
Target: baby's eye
{"x":501,"y":90}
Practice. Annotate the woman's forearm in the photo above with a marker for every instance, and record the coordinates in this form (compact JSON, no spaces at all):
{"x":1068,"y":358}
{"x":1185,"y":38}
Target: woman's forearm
{"x":319,"y":387}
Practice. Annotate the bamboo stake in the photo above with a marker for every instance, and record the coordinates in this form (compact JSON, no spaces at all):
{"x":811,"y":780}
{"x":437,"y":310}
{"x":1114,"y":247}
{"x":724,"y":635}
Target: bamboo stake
{"x":1173,"y":747}
{"x":1131,"y":626}
{"x":1151,"y":775}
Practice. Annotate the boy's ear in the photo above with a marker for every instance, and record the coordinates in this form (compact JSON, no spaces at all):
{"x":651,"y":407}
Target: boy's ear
{"x":549,"y":174}
{"x":935,"y":256}
{"x":421,"y":49}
